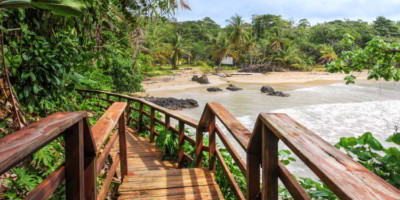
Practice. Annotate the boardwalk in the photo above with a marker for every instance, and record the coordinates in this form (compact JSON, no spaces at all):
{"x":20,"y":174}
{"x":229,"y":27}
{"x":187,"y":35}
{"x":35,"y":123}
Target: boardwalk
{"x":151,"y":178}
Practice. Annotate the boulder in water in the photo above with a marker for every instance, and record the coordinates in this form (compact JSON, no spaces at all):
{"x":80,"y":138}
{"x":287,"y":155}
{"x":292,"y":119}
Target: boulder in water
{"x":173,"y":103}
{"x":195,"y":78}
{"x":267,"y":89}
{"x":214,"y":89}
{"x":270,"y":91}
{"x":203,"y":80}
{"x":233,"y":88}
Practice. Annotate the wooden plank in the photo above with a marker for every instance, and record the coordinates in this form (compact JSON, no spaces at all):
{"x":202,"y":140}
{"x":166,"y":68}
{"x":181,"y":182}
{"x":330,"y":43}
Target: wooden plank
{"x":169,"y":192}
{"x":46,"y":188}
{"x":291,"y":184}
{"x":269,"y":165}
{"x":74,"y":162}
{"x":344,"y":176}
{"x":106,"y":151}
{"x":172,"y":172}
{"x":122,"y":146}
{"x":235,"y":187}
{"x":234,"y":126}
{"x":17,"y":146}
{"x":107,"y":122}
{"x":146,"y":114}
{"x":190,"y":140}
{"x":152,"y":179}
{"x":202,"y":196}
{"x":232,"y":151}
{"x":107,"y":182}
{"x":160,"y":122}
{"x":167,"y":184}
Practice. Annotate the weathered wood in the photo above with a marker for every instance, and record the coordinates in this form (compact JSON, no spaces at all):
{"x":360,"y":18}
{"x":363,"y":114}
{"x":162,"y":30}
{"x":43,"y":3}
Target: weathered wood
{"x":46,"y":188}
{"x":153,"y":125}
{"x":17,"y":146}
{"x":292,"y":185}
{"x":253,"y":176}
{"x":107,"y":182}
{"x":106,"y":151}
{"x":199,"y":147}
{"x":140,"y":121}
{"x":167,"y":122}
{"x":269,"y":165}
{"x":181,"y":151}
{"x":212,"y":144}
{"x":232,"y":151}
{"x":122,"y":146}
{"x":74,"y":162}
{"x":344,"y":176}
{"x":235,"y":187}
{"x":107,"y":122}
{"x":89,"y":162}
{"x":234,"y":126}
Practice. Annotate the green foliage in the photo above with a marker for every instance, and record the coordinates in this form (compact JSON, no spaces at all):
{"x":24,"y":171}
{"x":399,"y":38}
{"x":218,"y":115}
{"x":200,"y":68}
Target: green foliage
{"x":168,"y":143}
{"x":59,"y":7}
{"x":379,"y":57}
{"x":371,"y":154}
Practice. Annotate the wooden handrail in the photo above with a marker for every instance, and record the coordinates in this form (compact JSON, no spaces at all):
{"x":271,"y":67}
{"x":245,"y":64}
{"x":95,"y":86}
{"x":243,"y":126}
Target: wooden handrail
{"x":81,"y":144}
{"x":345,"y":177}
{"x":17,"y":146}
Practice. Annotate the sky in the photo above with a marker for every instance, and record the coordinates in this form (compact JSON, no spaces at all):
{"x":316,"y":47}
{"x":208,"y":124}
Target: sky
{"x":316,"y":11}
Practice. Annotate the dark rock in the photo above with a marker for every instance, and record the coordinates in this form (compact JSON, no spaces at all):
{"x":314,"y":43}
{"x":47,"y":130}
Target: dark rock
{"x":214,"y":89}
{"x":195,"y":78}
{"x":203,"y":80}
{"x":267,"y":89}
{"x":280,"y":94}
{"x":233,"y":88}
{"x":270,"y":91}
{"x":173,"y":103}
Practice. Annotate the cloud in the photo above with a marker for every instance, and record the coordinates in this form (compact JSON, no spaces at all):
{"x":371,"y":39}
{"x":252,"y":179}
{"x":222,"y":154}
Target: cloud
{"x":314,"y":10}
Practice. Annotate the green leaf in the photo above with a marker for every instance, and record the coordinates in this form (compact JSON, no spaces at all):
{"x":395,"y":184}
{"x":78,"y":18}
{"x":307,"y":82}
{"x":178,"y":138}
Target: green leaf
{"x":61,"y":7}
{"x":395,"y":138}
{"x":374,"y":144}
{"x":16,"y":4}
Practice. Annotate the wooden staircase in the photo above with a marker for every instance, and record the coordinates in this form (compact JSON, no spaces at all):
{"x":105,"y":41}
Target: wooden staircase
{"x":149,"y":177}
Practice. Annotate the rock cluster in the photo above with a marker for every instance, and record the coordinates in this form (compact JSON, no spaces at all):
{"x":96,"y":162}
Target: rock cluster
{"x":173,"y":103}
{"x":271,"y":91}
{"x":202,"y":80}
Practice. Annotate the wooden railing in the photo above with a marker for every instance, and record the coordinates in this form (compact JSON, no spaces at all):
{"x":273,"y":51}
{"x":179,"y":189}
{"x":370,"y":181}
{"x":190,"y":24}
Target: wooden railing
{"x":82,"y":144}
{"x":345,"y":177}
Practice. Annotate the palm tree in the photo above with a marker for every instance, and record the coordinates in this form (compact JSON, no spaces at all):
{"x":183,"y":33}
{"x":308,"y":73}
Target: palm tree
{"x":328,"y":54}
{"x":178,"y":50}
{"x":238,"y":33}
{"x":250,"y":45}
{"x":221,"y":48}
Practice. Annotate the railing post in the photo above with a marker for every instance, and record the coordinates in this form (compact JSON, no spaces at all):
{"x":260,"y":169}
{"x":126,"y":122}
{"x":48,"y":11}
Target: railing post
{"x":122,"y":146}
{"x":253,"y":176}
{"x":129,"y":113}
{"x":211,"y":143}
{"x":181,"y":150}
{"x":152,"y":124}
{"x":167,"y":122}
{"x":74,"y":162}
{"x":269,"y":164}
{"x":199,"y":147}
{"x":139,"y":124}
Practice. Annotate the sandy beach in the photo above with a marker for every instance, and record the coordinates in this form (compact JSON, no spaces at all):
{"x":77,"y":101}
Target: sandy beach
{"x":182,"y":80}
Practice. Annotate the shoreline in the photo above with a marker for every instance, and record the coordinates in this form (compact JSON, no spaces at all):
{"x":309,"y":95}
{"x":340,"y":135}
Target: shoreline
{"x":182,"y":80}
